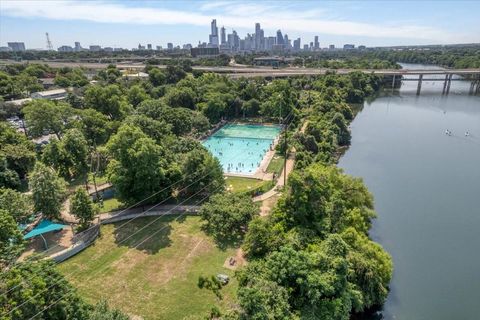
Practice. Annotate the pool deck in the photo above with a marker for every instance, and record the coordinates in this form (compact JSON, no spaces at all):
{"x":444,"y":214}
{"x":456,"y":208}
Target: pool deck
{"x":261,"y":172}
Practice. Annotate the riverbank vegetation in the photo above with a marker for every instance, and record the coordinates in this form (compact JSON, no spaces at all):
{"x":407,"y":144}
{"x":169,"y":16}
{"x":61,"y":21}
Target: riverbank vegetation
{"x":311,"y":256}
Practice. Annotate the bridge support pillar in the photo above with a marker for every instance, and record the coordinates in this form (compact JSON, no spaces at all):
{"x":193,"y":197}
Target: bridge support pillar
{"x":445,"y":84}
{"x":393,"y":82}
{"x":449,"y":83}
{"x":472,"y":87}
{"x":477,"y":91}
{"x":419,"y":87}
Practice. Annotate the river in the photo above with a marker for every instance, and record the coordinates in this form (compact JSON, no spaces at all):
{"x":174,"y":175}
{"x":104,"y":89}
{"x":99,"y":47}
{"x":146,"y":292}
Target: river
{"x":426,"y":186}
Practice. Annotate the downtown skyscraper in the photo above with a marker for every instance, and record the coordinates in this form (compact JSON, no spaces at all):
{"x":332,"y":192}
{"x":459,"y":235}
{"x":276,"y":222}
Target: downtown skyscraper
{"x":213,"y":38}
{"x":253,"y":42}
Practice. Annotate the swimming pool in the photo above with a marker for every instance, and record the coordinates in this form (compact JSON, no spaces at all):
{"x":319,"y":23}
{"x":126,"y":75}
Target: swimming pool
{"x":240,"y":148}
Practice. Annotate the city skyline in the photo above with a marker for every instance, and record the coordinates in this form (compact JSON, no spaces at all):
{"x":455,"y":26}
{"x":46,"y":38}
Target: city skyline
{"x":159,"y":23}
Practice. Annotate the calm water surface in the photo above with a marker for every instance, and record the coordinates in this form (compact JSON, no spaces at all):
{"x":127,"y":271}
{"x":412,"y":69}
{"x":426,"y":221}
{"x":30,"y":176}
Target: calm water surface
{"x":427,"y":196}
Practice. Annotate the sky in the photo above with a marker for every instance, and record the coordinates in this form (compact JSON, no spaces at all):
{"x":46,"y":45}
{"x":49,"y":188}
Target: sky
{"x":127,"y":23}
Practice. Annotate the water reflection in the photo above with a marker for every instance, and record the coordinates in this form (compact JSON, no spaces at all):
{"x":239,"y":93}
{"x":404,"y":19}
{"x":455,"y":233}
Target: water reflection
{"x":427,"y":190}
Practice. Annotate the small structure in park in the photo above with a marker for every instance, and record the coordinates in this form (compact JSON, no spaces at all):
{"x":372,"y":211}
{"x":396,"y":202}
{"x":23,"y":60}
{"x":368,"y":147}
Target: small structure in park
{"x":45,"y":226}
{"x":56,"y":94}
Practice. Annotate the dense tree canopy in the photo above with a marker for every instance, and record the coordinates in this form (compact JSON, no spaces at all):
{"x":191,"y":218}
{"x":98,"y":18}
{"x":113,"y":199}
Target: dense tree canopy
{"x":45,"y":116}
{"x":17,"y":204}
{"x":82,"y":207}
{"x":17,"y":155}
{"x":36,"y":287}
{"x":140,"y":167}
{"x":48,"y":190}
{"x":227,"y":216}
{"x":10,"y":238}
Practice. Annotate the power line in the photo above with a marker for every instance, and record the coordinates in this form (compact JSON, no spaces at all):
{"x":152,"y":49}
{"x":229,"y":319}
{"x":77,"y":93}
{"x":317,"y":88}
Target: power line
{"x":149,"y":209}
{"x":156,"y":205}
{"x":123,"y":240}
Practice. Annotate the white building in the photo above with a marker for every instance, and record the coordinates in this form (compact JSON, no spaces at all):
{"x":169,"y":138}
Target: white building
{"x":56,"y":94}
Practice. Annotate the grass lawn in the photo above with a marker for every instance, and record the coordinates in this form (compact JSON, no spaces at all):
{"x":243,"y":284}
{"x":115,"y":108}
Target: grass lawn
{"x":241,"y":184}
{"x":111,"y":205}
{"x":276,"y":164}
{"x":157,"y":280}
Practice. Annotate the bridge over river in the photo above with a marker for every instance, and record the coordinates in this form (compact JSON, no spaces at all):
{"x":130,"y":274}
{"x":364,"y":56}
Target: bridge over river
{"x":238,"y":71}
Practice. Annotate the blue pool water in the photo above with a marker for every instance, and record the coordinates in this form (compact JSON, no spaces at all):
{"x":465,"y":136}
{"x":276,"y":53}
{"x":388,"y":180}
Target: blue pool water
{"x":240,"y":148}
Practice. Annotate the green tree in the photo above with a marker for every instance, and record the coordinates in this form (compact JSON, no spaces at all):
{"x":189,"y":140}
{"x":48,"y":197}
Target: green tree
{"x":211,"y":283}
{"x":180,"y":98}
{"x":48,"y":190}
{"x":17,"y":150}
{"x":214,"y":109}
{"x":76,"y":149}
{"x":54,"y":155}
{"x":68,"y":156}
{"x":264,"y":300}
{"x":10,"y":238}
{"x":17,"y":204}
{"x":45,"y":115}
{"x":157,"y":77}
{"x":136,"y":94}
{"x":263,"y":236}
{"x":94,"y":125}
{"x":227,"y":216}
{"x":202,"y":171}
{"x":139,"y":168}
{"x":29,"y":289}
{"x":82,"y":207}
{"x":174,"y":73}
{"x":101,"y":311}
{"x":8,"y":177}
{"x":108,"y":100}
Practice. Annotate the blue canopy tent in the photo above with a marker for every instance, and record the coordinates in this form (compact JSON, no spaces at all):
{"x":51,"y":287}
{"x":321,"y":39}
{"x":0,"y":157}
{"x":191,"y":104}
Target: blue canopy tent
{"x":43,"y":227}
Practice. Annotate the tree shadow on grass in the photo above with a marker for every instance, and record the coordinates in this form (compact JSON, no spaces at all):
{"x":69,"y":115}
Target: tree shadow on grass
{"x":224,"y":242}
{"x":146,"y":234}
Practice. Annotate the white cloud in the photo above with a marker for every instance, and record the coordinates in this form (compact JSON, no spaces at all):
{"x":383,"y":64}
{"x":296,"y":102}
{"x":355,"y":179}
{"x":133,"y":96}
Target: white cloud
{"x":271,"y":17}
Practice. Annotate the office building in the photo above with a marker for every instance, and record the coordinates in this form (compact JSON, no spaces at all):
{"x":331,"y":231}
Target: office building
{"x":362,"y":47}
{"x":204,"y":52}
{"x":213,"y":38}
{"x":65,"y":49}
{"x":279,"y":37}
{"x":305,"y":47}
{"x":223,"y":36}
{"x":149,"y":46}
{"x":316,"y":44}
{"x":233,"y":41}
{"x":331,"y":47}
{"x":270,"y":42}
{"x":95,"y":48}
{"x":78,"y":47}
{"x":259,"y":37}
{"x":170,"y":46}
{"x":297,"y":44}
{"x":16,"y":46}
{"x":348,"y":46}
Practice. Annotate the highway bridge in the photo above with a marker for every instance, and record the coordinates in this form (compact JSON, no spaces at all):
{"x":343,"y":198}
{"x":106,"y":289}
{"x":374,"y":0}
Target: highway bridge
{"x":420,"y":75}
